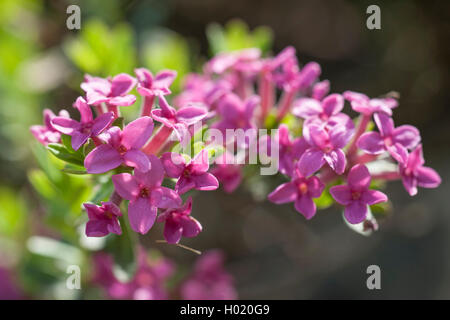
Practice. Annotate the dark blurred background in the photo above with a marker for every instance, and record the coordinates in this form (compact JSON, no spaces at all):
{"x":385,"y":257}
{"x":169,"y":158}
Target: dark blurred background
{"x":271,"y":250}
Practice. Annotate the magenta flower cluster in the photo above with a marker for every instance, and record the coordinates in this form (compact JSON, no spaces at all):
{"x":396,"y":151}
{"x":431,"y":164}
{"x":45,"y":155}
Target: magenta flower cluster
{"x":237,"y":90}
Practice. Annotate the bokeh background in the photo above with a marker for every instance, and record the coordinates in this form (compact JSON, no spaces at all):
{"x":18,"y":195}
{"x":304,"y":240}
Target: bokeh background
{"x":272,"y":252}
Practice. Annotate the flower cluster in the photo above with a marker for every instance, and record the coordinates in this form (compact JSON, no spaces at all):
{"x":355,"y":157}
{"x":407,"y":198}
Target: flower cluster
{"x":208,"y":281}
{"x":321,"y":150}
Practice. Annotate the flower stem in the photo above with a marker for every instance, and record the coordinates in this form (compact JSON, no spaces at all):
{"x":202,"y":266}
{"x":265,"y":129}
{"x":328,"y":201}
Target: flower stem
{"x":114,"y":110}
{"x":266,"y":92}
{"x":393,"y":175}
{"x":147,"y":106}
{"x":361,"y":129}
{"x":286,"y":102}
{"x":157,"y":142}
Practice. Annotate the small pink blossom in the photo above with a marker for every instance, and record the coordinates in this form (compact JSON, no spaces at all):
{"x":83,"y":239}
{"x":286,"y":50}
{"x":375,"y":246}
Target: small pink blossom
{"x":110,"y":91}
{"x":301,"y":190}
{"x":192,"y":175}
{"x":47,"y":133}
{"x":102,"y":219}
{"x":154,"y":86}
{"x":325,"y":147}
{"x":227,"y":173}
{"x":122,"y":147}
{"x":178,"y":222}
{"x":356,"y":195}
{"x":363,"y":104}
{"x":178,"y":120}
{"x":413,"y":172}
{"x":146,"y":195}
{"x":388,"y":138}
{"x":87,"y":128}
{"x":209,"y":281}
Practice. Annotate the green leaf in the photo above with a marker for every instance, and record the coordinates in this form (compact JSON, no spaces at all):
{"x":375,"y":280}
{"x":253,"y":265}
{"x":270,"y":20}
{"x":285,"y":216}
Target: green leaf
{"x":72,"y":169}
{"x":325,"y":200}
{"x":119,"y":122}
{"x":61,"y":152}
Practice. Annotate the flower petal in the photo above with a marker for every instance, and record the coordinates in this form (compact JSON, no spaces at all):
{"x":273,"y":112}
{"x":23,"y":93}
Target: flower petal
{"x":165,"y":198}
{"x":287,"y":192}
{"x":311,"y":161}
{"x":173,"y":163}
{"x":191,"y":227}
{"x":190,"y":115}
{"x":137,"y":133}
{"x":306,"y":206}
{"x":101,"y":123}
{"x":371,"y":142}
{"x":200,"y":163}
{"x":371,"y":197}
{"x":122,"y":84}
{"x":153,"y":177}
{"x":126,"y":186}
{"x":97,"y":228}
{"x":355,"y":212}
{"x":333,"y":104}
{"x":142,"y":215}
{"x":102,"y":159}
{"x":359,"y":178}
{"x":78,"y":139}
{"x":124,"y":101}
{"x":427,"y":177}
{"x":407,"y":136}
{"x":306,"y":108}
{"x":65,"y":125}
{"x":137,"y":159}
{"x":84,"y":109}
{"x":205,"y":182}
{"x":342,"y":194}
{"x":384,"y":123}
{"x":172,"y":232}
{"x":336,"y":160}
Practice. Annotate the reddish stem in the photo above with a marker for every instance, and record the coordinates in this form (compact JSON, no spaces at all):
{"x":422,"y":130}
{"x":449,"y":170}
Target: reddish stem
{"x":99,"y":110}
{"x":147,"y":106}
{"x":361,"y":129}
{"x":158,"y":141}
{"x":114,"y":110}
{"x":387,"y":176}
{"x":286,"y":102}
{"x":267,"y":93}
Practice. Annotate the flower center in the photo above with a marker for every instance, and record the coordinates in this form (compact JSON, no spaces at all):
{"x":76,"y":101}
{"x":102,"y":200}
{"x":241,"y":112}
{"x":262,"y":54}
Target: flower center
{"x":388,"y":141}
{"x":122,"y":150}
{"x":87,"y":128}
{"x":145,"y":193}
{"x":109,"y":214}
{"x":356,"y":195}
{"x":303,"y":187}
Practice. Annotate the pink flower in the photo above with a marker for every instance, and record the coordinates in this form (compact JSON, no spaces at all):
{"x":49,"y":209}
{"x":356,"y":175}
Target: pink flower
{"x":237,"y":114}
{"x":87,"y":128}
{"x":413,"y":172}
{"x":290,"y":150}
{"x":308,"y":108}
{"x":122,"y":147}
{"x":192,"y":175}
{"x":227,"y":173}
{"x":178,"y":222}
{"x":363,"y":104}
{"x":246,"y":61}
{"x":356,"y":195}
{"x":299,"y":190}
{"x":320,"y":89}
{"x":102,"y":219}
{"x":388,"y":138}
{"x":111,"y":91}
{"x":325,"y":147}
{"x":47,"y":133}
{"x":154,"y":86}
{"x":146,"y":195}
{"x":178,"y":120}
{"x":209,"y":281}
{"x":148,"y":283}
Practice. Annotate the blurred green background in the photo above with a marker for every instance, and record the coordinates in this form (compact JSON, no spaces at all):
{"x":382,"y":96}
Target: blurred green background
{"x":272,"y":251}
